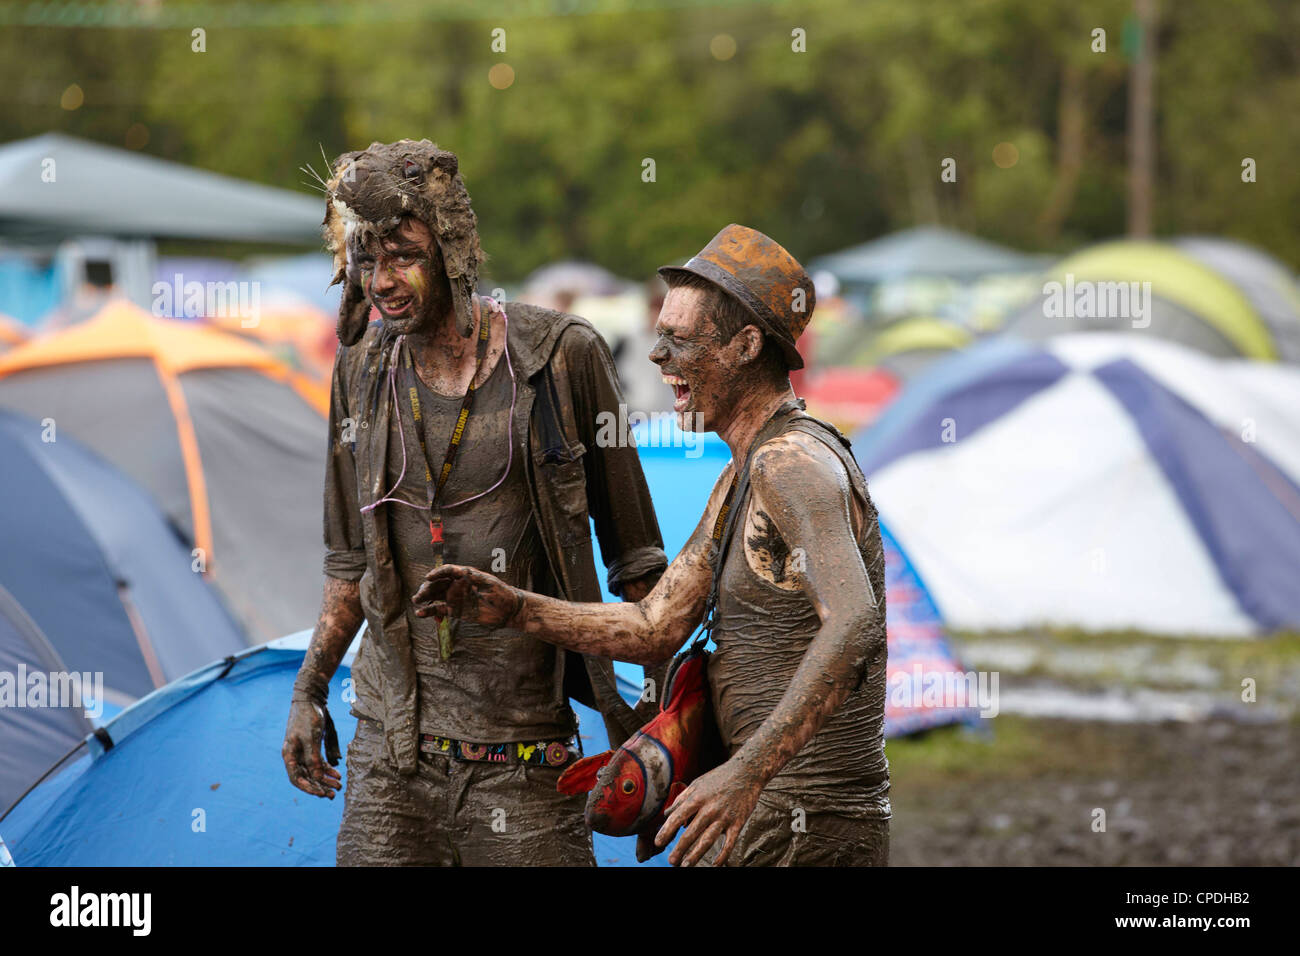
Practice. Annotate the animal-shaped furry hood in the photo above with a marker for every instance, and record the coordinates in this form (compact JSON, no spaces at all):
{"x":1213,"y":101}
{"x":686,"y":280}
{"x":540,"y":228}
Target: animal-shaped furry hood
{"x":368,"y":193}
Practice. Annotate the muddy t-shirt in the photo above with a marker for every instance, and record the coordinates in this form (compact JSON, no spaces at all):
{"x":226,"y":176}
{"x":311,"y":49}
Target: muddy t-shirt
{"x":498,"y":685}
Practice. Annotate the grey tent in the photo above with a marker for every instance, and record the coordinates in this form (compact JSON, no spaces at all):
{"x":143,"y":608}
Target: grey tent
{"x":55,"y":186}
{"x":1266,"y":282}
{"x":98,"y":599}
{"x":579,"y":278}
{"x":923,"y":251}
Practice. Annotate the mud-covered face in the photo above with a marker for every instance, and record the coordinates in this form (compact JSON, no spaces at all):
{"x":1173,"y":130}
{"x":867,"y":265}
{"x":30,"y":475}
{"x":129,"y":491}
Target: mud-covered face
{"x":702,"y":370}
{"x":403,"y":276}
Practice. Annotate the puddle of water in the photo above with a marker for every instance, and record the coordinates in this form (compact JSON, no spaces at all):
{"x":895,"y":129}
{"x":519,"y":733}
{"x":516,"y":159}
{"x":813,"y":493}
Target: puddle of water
{"x":1000,"y":656}
{"x":1140,"y":705}
{"x":1139,"y":663}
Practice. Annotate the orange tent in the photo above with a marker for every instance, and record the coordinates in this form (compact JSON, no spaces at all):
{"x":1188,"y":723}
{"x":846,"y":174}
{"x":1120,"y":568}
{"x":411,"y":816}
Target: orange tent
{"x":12,"y":332}
{"x":301,"y":336}
{"x":229,"y":440}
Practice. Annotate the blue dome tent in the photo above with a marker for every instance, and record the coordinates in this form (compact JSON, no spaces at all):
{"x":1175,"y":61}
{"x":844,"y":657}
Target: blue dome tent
{"x":191,"y":776}
{"x":81,"y":543}
{"x":34,"y":736}
{"x":188,"y":776}
{"x":98,"y":586}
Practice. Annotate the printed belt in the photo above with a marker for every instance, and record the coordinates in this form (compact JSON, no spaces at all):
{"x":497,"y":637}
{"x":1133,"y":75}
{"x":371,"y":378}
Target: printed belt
{"x":545,"y":753}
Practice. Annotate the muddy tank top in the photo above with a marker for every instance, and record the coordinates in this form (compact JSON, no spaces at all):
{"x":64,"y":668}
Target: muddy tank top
{"x":498,"y":686}
{"x":761,"y":634}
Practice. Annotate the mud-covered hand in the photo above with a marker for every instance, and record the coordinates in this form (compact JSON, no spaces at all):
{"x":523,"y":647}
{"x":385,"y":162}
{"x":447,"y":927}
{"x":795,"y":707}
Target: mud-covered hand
{"x":717,"y":805}
{"x":470,"y":595}
{"x":303,"y":739}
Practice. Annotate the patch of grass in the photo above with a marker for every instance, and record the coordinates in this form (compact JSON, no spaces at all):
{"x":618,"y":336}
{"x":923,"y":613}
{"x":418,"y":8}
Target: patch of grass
{"x":1018,"y":748}
{"x":1283,"y":645}
{"x":1273,"y":661}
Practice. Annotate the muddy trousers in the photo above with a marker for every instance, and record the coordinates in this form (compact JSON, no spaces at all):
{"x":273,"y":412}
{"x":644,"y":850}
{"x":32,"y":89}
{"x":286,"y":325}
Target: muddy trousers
{"x":455,"y":813}
{"x":774,"y":835}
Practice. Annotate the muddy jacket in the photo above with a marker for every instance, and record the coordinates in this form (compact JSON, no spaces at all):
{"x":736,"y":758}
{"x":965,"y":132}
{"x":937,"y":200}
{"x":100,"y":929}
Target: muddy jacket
{"x":572,"y":482}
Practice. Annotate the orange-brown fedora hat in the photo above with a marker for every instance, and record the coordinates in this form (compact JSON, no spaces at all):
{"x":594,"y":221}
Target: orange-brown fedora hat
{"x":763,"y":277}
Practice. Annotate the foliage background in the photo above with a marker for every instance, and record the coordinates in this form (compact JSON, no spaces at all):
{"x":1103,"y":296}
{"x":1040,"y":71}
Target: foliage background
{"x":823,"y":148}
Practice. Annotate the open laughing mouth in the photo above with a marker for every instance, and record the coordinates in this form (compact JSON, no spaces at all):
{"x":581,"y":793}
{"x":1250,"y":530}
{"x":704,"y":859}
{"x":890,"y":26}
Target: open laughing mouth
{"x":395,"y":306}
{"x":681,"y":390}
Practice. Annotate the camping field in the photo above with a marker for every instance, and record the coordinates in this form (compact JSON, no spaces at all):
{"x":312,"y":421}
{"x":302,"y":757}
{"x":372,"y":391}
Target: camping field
{"x":1157,"y":736}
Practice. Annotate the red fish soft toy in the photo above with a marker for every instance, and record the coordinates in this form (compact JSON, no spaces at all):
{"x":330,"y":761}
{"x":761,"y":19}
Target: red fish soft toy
{"x":630,"y":787}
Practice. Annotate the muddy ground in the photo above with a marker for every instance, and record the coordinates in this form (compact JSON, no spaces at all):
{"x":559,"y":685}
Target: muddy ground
{"x":1219,"y":786}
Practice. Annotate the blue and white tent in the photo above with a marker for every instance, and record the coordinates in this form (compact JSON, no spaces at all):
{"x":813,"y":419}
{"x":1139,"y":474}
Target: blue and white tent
{"x":1097,"y":480}
{"x":190,"y":775}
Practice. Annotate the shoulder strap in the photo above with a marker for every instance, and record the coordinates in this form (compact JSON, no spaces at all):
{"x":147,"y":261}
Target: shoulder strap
{"x":842,"y":447}
{"x":737,"y":497}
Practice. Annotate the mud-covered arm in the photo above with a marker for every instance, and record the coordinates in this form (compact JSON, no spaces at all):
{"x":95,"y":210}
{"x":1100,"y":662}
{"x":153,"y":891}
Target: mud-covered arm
{"x":340,"y":615}
{"x":645,"y":632}
{"x":618,"y":498}
{"x":310,"y":726}
{"x":345,"y":546}
{"x":802,"y":488}
{"x":340,"y":618}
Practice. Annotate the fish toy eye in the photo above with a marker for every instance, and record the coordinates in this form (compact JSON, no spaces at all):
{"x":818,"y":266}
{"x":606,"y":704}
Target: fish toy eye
{"x":628,"y":785}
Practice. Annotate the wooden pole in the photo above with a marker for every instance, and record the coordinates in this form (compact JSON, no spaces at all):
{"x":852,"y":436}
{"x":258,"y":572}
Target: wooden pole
{"x":1141,"y":123}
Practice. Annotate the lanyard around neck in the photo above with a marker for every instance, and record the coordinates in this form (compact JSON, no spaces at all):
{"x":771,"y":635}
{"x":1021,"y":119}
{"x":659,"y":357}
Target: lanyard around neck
{"x":436,"y":488}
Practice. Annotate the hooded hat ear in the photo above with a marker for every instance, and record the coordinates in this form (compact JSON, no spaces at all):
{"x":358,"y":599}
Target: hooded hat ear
{"x":342,"y":160}
{"x":354,"y":306}
{"x":462,"y":297}
{"x":354,"y":314}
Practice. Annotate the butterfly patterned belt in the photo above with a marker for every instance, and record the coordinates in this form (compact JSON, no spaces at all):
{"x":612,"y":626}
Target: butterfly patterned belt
{"x":544,"y":753}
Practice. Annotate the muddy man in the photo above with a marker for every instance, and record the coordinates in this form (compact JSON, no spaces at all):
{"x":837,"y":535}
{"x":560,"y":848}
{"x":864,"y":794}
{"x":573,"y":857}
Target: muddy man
{"x":795,"y":583}
{"x":461,"y":431}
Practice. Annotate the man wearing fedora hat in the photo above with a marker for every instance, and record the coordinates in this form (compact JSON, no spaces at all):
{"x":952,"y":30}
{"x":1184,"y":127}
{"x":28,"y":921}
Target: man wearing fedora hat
{"x":785,"y":569}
